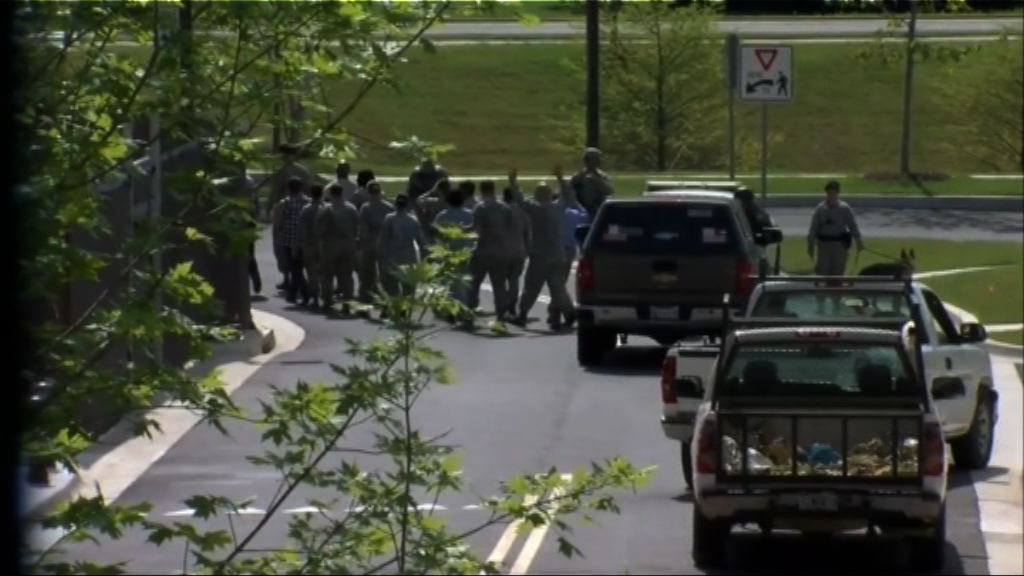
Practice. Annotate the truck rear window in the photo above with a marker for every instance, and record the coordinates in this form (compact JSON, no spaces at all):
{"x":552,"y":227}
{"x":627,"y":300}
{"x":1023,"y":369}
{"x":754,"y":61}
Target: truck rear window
{"x":817,"y":369}
{"x":821,"y":305}
{"x":668,"y":227}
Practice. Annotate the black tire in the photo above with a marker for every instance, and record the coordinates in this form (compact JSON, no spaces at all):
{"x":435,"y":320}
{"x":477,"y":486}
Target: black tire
{"x":687,"y":463}
{"x":710,"y":538}
{"x":973,"y":450}
{"x":592,"y":343}
{"x":928,"y":553}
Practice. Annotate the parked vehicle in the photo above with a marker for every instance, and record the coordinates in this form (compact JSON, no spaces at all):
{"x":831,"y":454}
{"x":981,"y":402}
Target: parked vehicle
{"x":657,"y":266}
{"x":818,"y":429}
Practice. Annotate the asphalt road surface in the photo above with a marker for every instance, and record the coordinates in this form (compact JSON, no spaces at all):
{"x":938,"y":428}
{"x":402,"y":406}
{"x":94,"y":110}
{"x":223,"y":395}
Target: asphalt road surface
{"x":521,"y":404}
{"x":818,"y":28}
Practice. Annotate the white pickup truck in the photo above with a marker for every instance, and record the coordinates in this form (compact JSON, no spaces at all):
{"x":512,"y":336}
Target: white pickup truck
{"x":956,"y":363}
{"x":821,"y":430}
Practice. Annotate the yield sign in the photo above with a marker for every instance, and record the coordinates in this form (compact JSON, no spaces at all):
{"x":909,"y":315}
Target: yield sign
{"x":766,"y":56}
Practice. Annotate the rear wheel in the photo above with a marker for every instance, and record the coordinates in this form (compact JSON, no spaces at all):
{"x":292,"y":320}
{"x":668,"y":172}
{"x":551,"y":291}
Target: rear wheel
{"x":592,"y":343}
{"x":710,"y":538}
{"x":928,"y":553}
{"x":973,"y":450}
{"x":687,"y":464}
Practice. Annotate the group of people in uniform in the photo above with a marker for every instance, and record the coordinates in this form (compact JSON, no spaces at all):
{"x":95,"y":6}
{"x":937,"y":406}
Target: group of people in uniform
{"x":324,"y":235}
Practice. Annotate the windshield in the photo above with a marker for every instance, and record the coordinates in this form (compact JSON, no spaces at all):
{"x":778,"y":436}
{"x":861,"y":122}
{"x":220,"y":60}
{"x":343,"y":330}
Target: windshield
{"x":666,"y":228}
{"x":817,"y":369}
{"x":811,"y":304}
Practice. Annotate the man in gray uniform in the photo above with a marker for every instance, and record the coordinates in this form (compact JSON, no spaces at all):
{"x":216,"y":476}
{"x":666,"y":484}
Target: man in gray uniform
{"x":833,"y":226}
{"x":490,"y":221}
{"x":593,"y":184}
{"x":291,"y":168}
{"x":311,"y":253}
{"x":349,"y":188}
{"x":546,"y":257}
{"x":401,"y":243}
{"x":337,"y":227}
{"x":371,"y":220}
{"x":519,"y":238}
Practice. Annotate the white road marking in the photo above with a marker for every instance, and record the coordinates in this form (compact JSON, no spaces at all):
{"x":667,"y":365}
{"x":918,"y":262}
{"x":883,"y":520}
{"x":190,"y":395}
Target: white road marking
{"x":508,"y":537}
{"x":955,"y":271}
{"x":185,"y":512}
{"x":248,"y":511}
{"x":303,"y":510}
{"x":472,"y":507}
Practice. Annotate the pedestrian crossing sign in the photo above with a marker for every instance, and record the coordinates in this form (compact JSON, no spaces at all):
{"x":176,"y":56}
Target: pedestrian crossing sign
{"x":766,"y":73}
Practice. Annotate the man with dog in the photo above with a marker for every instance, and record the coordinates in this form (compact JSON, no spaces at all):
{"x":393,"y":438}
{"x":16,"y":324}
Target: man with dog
{"x":833,"y":229}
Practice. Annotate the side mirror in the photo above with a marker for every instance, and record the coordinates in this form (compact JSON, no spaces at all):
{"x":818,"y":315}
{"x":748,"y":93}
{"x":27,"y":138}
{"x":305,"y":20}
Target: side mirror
{"x":581,"y":232}
{"x":973,"y":333}
{"x":944,"y":388}
{"x":689,"y":387}
{"x":769,"y":236}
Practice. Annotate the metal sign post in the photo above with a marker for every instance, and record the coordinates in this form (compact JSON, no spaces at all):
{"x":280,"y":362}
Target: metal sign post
{"x":766,"y":75}
{"x":732,"y":47}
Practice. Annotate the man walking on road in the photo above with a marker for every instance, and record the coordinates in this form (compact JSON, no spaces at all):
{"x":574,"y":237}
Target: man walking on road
{"x":288,"y":215}
{"x":458,"y":217}
{"x":593,"y":184}
{"x":371,"y":220}
{"x":291,"y":168}
{"x":546,"y":257}
{"x":423,"y":179}
{"x":311,"y":252}
{"x":573,"y":215}
{"x":833,"y":227}
{"x":348,"y":187}
{"x":337,"y":228}
{"x":518,"y":234}
{"x":401,"y":243}
{"x":490,"y":221}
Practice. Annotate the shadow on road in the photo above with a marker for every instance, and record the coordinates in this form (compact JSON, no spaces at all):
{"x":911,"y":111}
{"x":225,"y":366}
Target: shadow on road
{"x":752,"y":553}
{"x":632,"y":360}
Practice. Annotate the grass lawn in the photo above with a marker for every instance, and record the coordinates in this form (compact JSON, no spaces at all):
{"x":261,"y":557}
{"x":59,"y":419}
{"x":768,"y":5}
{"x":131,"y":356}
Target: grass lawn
{"x":1016,"y":337}
{"x":500,"y":106}
{"x":994,"y":296}
{"x":506,"y":105}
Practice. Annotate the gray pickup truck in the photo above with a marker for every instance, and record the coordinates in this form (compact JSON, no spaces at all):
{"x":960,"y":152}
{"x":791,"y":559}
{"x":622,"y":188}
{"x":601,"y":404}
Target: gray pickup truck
{"x":657,"y":266}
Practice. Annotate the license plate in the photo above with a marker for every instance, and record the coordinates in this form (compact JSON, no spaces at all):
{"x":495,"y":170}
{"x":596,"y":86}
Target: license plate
{"x":818,"y":502}
{"x":705,"y":314}
{"x":664,"y":312}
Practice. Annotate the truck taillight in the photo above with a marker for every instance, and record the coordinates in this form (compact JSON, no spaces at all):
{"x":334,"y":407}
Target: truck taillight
{"x":584,"y":277}
{"x":707,"y":448}
{"x":933,"y":447}
{"x":744,"y":270}
{"x":668,"y":379}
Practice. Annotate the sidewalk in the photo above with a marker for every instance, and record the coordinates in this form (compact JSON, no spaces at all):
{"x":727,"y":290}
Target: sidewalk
{"x":119,"y":457}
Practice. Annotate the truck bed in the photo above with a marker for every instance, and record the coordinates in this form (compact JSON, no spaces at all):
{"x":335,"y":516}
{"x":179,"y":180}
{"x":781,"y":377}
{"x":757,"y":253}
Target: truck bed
{"x":809,"y":445}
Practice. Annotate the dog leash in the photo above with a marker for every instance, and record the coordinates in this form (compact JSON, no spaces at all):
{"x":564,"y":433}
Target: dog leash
{"x":883,"y":255}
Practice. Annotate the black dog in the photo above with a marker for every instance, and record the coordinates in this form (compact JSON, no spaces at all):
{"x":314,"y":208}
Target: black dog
{"x":902,"y":268}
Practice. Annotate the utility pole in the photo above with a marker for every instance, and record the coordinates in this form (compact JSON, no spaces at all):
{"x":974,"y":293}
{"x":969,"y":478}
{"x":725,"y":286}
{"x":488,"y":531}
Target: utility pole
{"x":593,"y":75}
{"x":908,"y":84}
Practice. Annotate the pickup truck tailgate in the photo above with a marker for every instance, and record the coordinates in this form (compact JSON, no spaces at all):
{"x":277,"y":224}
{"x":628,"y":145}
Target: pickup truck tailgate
{"x":804,"y":446}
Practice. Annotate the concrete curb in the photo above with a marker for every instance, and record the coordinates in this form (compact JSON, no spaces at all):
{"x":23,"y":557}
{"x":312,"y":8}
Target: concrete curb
{"x":262,"y":345}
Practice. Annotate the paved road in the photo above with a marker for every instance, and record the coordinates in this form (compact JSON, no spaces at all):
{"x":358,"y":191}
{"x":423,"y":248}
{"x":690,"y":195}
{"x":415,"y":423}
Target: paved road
{"x":751,"y":28}
{"x":939,"y":224}
{"x":521,"y":405}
